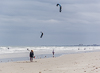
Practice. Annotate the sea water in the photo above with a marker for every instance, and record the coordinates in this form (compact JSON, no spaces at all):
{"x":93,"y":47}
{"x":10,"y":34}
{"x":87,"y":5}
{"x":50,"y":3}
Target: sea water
{"x":8,"y":54}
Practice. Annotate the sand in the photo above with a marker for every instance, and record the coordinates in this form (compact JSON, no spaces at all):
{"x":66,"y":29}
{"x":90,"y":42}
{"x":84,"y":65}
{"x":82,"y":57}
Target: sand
{"x":71,"y":63}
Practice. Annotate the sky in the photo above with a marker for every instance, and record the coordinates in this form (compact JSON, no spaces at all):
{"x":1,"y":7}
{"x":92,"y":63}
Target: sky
{"x":21,"y":22}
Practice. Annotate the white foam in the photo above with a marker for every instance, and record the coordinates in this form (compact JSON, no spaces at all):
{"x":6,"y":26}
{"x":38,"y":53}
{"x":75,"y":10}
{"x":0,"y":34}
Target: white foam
{"x":47,"y":49}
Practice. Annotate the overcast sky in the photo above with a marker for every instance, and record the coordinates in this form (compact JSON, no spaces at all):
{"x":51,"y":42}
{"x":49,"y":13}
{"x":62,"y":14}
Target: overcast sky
{"x":21,"y":22}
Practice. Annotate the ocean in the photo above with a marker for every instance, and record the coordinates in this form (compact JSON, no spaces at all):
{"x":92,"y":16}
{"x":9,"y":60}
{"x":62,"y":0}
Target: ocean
{"x":10,"y":54}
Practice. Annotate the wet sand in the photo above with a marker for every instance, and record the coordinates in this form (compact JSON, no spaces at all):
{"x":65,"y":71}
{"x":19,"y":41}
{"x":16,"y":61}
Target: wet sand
{"x":70,"y":63}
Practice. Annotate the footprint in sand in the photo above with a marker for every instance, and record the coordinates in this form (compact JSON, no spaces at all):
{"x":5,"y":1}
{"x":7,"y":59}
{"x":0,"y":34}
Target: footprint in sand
{"x":84,"y":71}
{"x":96,"y":68}
{"x":93,"y":66}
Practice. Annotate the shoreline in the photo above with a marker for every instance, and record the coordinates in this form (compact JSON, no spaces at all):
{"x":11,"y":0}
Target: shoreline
{"x":25,"y":56}
{"x":70,"y":63}
{"x":41,"y":56}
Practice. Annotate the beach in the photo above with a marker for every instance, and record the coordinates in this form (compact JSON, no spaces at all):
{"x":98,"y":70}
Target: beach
{"x":70,"y":63}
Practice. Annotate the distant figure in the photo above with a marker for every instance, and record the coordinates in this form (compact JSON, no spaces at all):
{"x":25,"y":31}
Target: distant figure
{"x":28,"y":49}
{"x":53,"y":53}
{"x":41,"y":34}
{"x":84,"y":48}
{"x":8,"y":48}
{"x":31,"y":56}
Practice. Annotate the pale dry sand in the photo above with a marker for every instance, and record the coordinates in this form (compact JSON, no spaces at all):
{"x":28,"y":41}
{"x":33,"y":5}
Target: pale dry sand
{"x":72,"y":63}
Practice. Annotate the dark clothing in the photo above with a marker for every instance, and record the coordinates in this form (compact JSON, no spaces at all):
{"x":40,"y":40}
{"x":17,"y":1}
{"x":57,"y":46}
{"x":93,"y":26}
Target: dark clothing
{"x":53,"y":53}
{"x":32,"y":54}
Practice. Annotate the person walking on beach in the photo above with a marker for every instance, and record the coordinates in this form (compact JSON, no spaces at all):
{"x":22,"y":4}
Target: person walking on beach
{"x":31,"y":56}
{"x":53,"y":53}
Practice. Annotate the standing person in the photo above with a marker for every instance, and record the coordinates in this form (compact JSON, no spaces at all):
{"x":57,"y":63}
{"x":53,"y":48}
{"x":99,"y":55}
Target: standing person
{"x":53,"y":53}
{"x":31,"y":56}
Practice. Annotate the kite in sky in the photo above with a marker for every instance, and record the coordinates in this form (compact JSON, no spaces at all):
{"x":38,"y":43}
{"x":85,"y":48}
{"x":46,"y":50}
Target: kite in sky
{"x":41,"y":34}
{"x":60,"y":7}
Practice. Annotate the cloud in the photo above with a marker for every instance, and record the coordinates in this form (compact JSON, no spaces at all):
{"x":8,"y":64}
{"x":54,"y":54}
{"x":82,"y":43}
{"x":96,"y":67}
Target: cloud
{"x":22,"y":20}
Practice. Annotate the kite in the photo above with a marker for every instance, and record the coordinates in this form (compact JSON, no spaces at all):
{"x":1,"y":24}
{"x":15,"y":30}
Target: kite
{"x":41,"y":34}
{"x":60,"y":7}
